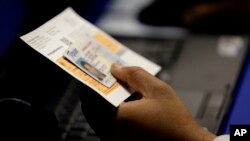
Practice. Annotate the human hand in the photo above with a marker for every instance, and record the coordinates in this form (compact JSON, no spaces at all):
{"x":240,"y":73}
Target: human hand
{"x":155,"y":113}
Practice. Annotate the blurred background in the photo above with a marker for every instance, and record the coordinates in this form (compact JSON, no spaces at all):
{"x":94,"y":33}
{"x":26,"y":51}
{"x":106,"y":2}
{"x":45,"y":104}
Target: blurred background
{"x":200,"y":44}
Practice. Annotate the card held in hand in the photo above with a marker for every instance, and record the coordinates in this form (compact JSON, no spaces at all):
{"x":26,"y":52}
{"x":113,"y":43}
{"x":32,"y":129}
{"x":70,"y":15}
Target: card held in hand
{"x":94,"y":59}
{"x":87,"y":53}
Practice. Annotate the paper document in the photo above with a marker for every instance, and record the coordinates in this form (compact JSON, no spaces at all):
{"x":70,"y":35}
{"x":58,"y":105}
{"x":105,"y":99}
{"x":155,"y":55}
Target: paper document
{"x":87,"y":53}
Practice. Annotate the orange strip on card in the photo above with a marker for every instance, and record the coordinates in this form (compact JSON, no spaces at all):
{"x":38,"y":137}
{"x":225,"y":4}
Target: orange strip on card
{"x":111,"y":45}
{"x":85,"y":77}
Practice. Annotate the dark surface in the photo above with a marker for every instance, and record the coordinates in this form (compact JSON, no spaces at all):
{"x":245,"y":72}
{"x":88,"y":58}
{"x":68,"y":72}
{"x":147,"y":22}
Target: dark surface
{"x":27,"y":75}
{"x":19,"y":120}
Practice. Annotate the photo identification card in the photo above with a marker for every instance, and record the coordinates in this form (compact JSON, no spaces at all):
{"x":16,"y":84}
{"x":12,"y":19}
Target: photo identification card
{"x":93,"y":59}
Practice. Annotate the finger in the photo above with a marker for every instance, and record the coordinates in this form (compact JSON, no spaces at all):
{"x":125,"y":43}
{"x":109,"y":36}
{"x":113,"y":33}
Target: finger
{"x":135,"y":77}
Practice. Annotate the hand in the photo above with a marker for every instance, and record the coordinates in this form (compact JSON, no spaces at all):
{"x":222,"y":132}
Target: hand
{"x":155,"y":113}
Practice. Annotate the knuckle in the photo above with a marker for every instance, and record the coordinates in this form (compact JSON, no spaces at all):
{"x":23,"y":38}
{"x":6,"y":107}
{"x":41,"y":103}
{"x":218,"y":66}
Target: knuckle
{"x":133,"y":71}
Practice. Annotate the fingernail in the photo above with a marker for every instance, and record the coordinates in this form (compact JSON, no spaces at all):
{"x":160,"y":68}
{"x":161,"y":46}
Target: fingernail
{"x":117,"y":66}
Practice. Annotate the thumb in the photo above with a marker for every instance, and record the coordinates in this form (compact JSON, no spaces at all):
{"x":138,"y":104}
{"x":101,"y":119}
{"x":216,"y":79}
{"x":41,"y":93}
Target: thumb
{"x":135,"y":77}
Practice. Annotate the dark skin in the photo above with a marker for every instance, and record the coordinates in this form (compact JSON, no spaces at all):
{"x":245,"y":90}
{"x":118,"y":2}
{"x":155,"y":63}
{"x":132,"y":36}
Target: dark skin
{"x":155,"y":113}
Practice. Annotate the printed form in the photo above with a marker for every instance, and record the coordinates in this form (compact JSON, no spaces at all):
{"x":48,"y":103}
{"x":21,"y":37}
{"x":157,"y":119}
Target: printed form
{"x":87,"y":53}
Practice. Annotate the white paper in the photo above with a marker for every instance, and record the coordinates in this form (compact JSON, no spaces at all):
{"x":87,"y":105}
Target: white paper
{"x":54,"y":37}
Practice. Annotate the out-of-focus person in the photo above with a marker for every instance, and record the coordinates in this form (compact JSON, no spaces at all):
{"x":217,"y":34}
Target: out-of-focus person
{"x":225,"y":16}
